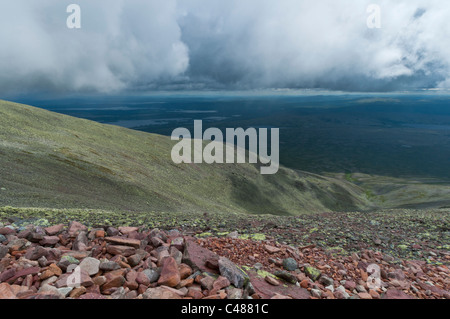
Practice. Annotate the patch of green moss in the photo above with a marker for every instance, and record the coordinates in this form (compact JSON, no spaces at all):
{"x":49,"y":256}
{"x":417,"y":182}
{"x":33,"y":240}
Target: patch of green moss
{"x":223,"y":234}
{"x":204,"y":235}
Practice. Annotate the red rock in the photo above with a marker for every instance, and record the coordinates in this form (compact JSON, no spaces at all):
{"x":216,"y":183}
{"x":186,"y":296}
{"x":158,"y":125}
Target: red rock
{"x":157,"y":242}
{"x":125,"y":251}
{"x":7,"y":231}
{"x":170,"y":275}
{"x":25,"y":294}
{"x":77,"y":254}
{"x":220,"y":283}
{"x":142,"y":289}
{"x":95,"y":289}
{"x":6,"y":292}
{"x":364,"y":275}
{"x":364,"y":295}
{"x":195,"y":293}
{"x":179,"y":292}
{"x":7,"y":274}
{"x":68,"y":279}
{"x":131,"y":275}
{"x":374,"y":294}
{"x":305,"y":283}
{"x":127,"y":230}
{"x":134,"y":260}
{"x":273,"y":281}
{"x":45,"y":295}
{"x":278,"y":296}
{"x":132,"y":285}
{"x":434,"y":289}
{"x":196,"y":256}
{"x":142,"y":279}
{"x":54,"y":230}
{"x":99,"y":234}
{"x":113,"y":281}
{"x":28,"y":282}
{"x":218,"y":296}
{"x":266,"y":290}
{"x":395,"y":294}
{"x":124,"y":241}
{"x":49,"y":240}
{"x":17,"y":245}
{"x":350,"y":285}
{"x":178,"y":243}
{"x":92,"y":296}
{"x":271,"y":249}
{"x":207,"y":282}
{"x":160,"y":293}
{"x":186,"y":283}
{"x":328,"y":294}
{"x":75,"y":228}
{"x":23,"y":273}
{"x":185,"y":271}
{"x":212,"y":263}
{"x":36,"y":252}
{"x":77,"y":292}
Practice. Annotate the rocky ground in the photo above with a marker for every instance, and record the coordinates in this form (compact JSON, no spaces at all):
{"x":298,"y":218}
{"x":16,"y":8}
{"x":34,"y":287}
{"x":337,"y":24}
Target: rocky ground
{"x":42,"y":260}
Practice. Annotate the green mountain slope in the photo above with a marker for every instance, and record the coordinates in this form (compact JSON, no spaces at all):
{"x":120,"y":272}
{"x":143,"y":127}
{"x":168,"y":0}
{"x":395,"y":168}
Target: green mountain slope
{"x":57,"y":161}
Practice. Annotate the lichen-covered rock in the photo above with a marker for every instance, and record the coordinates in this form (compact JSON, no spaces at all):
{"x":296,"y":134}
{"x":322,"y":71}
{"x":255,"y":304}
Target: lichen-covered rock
{"x":233,"y":273}
{"x":312,"y":273}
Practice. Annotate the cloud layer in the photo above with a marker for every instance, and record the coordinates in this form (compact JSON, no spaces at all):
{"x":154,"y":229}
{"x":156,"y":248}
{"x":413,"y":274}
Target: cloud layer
{"x":141,"y":45}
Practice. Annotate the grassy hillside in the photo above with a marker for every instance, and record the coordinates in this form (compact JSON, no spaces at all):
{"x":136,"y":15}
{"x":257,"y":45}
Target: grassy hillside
{"x":391,"y":192}
{"x":57,"y":161}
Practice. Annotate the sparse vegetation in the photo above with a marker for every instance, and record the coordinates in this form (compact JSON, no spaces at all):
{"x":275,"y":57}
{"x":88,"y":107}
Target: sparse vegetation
{"x":58,"y":161}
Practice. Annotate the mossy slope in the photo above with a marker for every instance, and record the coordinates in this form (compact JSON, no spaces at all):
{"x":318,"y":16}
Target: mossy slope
{"x":57,"y":161}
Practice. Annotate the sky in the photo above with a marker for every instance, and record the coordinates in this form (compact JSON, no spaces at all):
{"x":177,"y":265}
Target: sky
{"x":128,"y":46}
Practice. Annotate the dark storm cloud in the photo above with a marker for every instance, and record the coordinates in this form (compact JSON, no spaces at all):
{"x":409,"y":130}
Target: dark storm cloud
{"x":138,"y":45}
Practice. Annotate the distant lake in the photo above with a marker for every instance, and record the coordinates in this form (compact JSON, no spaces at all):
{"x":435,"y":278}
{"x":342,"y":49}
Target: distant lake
{"x":386,"y":134}
{"x":433,"y":127}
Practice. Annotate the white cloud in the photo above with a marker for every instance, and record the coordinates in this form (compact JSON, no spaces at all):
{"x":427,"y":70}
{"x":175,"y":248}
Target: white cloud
{"x":121,"y":44}
{"x":138,"y":44}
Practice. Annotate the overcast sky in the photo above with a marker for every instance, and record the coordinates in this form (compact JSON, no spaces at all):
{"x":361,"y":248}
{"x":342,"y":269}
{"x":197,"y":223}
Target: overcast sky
{"x":147,"y":45}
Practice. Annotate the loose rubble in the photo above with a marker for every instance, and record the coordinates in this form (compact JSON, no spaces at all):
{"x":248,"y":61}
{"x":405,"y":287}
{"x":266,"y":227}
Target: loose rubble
{"x":77,"y":262}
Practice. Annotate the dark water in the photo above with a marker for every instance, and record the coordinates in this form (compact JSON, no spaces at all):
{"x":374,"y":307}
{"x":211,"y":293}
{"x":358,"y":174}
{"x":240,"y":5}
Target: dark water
{"x":389,"y":134}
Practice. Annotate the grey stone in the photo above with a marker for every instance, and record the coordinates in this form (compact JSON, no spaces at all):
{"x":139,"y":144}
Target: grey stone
{"x":50,"y":289}
{"x":65,"y":291}
{"x":81,"y":241}
{"x":152,"y":275}
{"x":286,"y":276}
{"x":109,"y":265}
{"x":330,"y":288}
{"x":326,"y":281}
{"x":360,"y":288}
{"x":119,"y":293}
{"x":234,"y":293}
{"x":90,"y":265}
{"x":233,"y":234}
{"x":316,"y":293}
{"x":3,"y":251}
{"x":111,"y":231}
{"x":258,"y":266}
{"x":235,"y":275}
{"x":290,"y":264}
{"x":34,"y":253}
